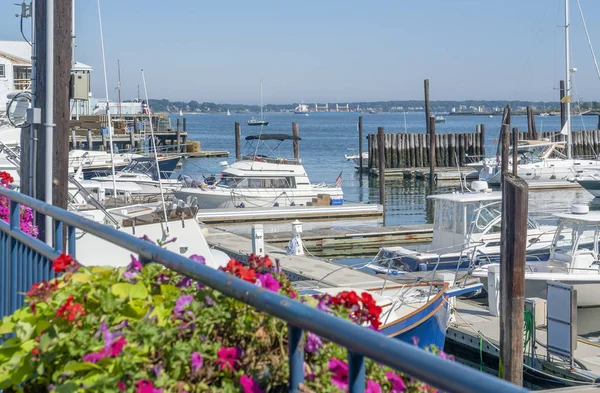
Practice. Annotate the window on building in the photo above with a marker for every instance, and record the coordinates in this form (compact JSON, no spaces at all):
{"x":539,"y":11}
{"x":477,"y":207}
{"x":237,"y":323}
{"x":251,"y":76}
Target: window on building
{"x":2,"y":71}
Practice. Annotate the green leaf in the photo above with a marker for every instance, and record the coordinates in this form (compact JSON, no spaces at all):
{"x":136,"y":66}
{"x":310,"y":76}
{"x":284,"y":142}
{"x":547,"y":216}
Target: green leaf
{"x":129,"y":291}
{"x":68,"y":387}
{"x":134,"y":309}
{"x":24,"y":330}
{"x":169,"y":291}
{"x":80,"y":277}
{"x":7,"y":327}
{"x":81,"y":366}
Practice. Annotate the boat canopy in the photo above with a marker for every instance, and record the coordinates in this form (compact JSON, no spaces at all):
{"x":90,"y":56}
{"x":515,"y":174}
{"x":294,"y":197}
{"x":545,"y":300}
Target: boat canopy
{"x":273,"y":137}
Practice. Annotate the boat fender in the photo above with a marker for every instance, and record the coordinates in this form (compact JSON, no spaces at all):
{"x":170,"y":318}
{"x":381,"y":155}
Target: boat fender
{"x":276,"y":204}
{"x":292,"y":204}
{"x":241,"y":205}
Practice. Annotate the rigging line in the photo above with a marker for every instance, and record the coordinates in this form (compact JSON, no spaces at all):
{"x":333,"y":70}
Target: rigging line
{"x":110,"y":139}
{"x":589,"y":40}
{"x":162,"y":193}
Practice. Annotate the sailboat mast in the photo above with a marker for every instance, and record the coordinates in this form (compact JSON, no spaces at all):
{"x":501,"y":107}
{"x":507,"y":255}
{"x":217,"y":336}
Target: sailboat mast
{"x":568,"y":80}
{"x":119,"y":84}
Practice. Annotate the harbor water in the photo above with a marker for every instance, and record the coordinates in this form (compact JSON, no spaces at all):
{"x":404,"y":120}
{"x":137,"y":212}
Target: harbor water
{"x":327,"y":137}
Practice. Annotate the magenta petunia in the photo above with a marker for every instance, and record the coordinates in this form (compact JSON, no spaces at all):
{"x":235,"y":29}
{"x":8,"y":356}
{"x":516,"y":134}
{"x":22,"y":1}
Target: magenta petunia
{"x":113,"y":345}
{"x":372,"y":387}
{"x":121,"y":386}
{"x":197,"y":361}
{"x":146,"y":386}
{"x":269,"y":282}
{"x":133,"y":268}
{"x":398,"y":385}
{"x":249,"y":384}
{"x":227,"y":357}
{"x":185,"y":282}
{"x":339,"y":369}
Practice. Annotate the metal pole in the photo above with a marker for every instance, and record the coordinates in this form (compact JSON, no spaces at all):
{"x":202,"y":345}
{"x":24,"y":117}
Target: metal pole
{"x":568,"y":80}
{"x":49,"y":123}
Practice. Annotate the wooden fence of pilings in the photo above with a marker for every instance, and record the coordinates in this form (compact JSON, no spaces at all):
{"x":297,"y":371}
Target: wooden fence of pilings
{"x":412,"y":150}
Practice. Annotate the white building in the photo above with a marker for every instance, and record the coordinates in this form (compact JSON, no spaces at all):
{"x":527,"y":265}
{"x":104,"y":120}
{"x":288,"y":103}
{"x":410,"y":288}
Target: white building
{"x":15,"y":68}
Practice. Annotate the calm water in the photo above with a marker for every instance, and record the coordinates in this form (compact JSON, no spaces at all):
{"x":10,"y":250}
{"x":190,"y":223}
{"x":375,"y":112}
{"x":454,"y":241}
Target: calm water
{"x":327,"y":137}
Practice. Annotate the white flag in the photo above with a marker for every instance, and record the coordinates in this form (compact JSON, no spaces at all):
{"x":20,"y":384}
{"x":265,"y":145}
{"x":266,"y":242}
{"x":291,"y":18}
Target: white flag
{"x":564,"y":130}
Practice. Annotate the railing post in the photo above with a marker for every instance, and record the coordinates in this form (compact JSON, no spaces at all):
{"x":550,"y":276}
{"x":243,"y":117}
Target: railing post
{"x":356,"y":372}
{"x":15,"y":225}
{"x":58,"y":236}
{"x":296,"y":357}
{"x":71,"y":241}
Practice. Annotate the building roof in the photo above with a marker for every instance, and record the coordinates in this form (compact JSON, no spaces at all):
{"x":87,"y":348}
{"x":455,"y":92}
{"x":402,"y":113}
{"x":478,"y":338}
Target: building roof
{"x":78,"y":66}
{"x":19,"y":50}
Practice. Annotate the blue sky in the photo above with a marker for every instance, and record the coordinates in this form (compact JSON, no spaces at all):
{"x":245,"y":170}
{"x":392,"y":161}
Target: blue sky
{"x":333,"y":50}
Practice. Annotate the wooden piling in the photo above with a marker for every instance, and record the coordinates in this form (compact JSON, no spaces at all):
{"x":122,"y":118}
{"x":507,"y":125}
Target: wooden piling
{"x":505,"y":147}
{"x":178,"y":136}
{"x":431,"y":150}
{"x":427,"y":105}
{"x":238,"y":155}
{"x":184,"y":124}
{"x":529,"y":121}
{"x":90,"y":140}
{"x":381,"y":148}
{"x":515,"y":150}
{"x":360,"y":143}
{"x":296,"y":143}
{"x":131,"y":140}
{"x":73,"y":140}
{"x":512,"y":276}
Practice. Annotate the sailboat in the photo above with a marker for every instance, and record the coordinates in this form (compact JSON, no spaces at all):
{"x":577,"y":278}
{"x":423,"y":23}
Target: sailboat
{"x":261,"y":121}
{"x":543,"y":161}
{"x":180,"y":113}
{"x":228,"y":114}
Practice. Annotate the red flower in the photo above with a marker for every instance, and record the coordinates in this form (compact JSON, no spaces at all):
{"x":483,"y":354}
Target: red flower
{"x":61,"y":263}
{"x":233,"y":266}
{"x":63,"y":309}
{"x":73,"y":310}
{"x":6,"y":178}
{"x":247,"y":275}
{"x":121,"y":385}
{"x":35,"y":351}
{"x":42,"y":290}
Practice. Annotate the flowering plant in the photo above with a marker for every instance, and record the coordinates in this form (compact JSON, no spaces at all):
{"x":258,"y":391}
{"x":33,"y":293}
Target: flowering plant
{"x":26,"y":214}
{"x":147,"y":329}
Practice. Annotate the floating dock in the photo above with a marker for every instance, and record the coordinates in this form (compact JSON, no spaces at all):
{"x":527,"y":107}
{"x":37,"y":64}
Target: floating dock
{"x":441,"y":174}
{"x":290,"y":213}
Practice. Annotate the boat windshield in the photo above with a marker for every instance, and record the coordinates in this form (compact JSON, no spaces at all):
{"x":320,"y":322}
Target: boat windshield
{"x":257,"y":182}
{"x":487,"y":218}
{"x":146,"y":167}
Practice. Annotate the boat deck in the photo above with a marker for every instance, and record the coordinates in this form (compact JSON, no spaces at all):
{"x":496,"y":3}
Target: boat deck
{"x":473,"y":319}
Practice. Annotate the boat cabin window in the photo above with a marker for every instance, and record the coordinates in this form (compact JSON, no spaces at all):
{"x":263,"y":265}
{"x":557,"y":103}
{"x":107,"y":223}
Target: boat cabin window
{"x":450,"y":216}
{"x":257,"y":182}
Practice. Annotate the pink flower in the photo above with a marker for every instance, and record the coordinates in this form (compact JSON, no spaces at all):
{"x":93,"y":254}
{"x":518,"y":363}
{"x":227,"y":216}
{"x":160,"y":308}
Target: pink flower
{"x":339,"y":369}
{"x":121,"y":385}
{"x":197,"y":361}
{"x":112,"y":347}
{"x":372,"y":387}
{"x":198,"y":258}
{"x":398,"y":385}
{"x":249,"y":384}
{"x":269,"y":282}
{"x":445,"y":356}
{"x":145,"y":386}
{"x":133,"y":268}
{"x":227,"y":357}
{"x":313,"y":343}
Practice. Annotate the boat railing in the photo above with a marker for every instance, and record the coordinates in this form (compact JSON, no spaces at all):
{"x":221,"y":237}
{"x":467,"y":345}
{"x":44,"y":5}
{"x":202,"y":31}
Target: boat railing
{"x":272,"y":160}
{"x":27,"y":260}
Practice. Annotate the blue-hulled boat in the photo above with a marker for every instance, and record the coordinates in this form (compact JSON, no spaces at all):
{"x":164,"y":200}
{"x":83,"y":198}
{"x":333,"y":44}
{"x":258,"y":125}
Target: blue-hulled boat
{"x":417,"y":313}
{"x":166,"y":165}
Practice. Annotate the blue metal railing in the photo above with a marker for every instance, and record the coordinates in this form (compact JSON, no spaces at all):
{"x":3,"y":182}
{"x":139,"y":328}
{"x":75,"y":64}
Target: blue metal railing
{"x":30,"y":258}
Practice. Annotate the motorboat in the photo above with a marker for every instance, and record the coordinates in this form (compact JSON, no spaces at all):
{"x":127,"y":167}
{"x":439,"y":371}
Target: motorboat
{"x":356,"y":159}
{"x":181,"y":234}
{"x":301,"y":109}
{"x":145,"y":173}
{"x":98,"y":161}
{"x":261,"y":181}
{"x":417,"y":313}
{"x":466,"y":233}
{"x":102,"y":165}
{"x":574,"y":259}
{"x":440,"y":119}
{"x":539,"y":161}
{"x":590,"y":180}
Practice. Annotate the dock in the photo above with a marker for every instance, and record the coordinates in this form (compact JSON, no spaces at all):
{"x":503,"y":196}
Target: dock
{"x":297,"y":268}
{"x":474,"y":330}
{"x":288,"y":214}
{"x":441,"y":174}
{"x":354,"y":241}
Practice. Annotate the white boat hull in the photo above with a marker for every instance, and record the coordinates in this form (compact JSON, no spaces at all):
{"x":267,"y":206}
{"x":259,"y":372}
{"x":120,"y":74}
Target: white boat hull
{"x":545,"y":171}
{"x":227,"y":198}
